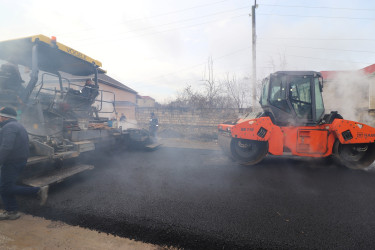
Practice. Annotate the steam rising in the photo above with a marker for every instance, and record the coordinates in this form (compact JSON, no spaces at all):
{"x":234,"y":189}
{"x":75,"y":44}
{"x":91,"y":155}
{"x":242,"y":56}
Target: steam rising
{"x":348,"y":93}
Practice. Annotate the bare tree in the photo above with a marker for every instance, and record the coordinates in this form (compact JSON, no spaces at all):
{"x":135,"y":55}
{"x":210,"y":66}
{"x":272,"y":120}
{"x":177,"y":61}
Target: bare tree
{"x":281,"y":64}
{"x":189,"y":98}
{"x":272,"y":64}
{"x":238,"y":90}
{"x":228,"y":93}
{"x":212,"y":87}
{"x":283,"y":61}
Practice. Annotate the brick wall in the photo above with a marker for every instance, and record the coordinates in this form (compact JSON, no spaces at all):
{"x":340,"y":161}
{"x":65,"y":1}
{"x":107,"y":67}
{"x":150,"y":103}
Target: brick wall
{"x":188,"y":123}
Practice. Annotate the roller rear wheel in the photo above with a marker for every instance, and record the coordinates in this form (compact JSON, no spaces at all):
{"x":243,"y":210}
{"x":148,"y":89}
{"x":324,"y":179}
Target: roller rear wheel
{"x":355,"y":156}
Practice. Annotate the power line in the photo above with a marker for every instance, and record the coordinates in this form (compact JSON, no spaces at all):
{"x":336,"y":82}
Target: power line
{"x":315,"y":7}
{"x":337,"y":17}
{"x":247,"y":67}
{"x":163,"y":31}
{"x":155,"y":16}
{"x":181,"y":10}
{"x":304,"y":47}
{"x":323,"y":59}
{"x":179,"y":21}
{"x":324,"y":39}
{"x":248,"y":48}
{"x":200,"y":64}
{"x":307,"y":57}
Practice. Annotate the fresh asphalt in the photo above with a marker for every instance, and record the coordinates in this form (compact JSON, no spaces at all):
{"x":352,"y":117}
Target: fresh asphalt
{"x":199,"y":199}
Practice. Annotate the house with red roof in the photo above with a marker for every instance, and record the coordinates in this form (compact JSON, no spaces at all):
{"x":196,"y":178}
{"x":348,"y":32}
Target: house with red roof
{"x":145,"y":101}
{"x":329,"y":75}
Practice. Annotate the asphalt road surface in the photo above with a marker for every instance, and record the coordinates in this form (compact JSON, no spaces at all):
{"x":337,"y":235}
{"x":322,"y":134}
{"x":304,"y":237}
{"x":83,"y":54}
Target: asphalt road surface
{"x":198,"y":199}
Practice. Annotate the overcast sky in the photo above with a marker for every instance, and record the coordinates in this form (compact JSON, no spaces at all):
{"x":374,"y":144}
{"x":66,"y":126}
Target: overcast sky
{"x":158,"y":47}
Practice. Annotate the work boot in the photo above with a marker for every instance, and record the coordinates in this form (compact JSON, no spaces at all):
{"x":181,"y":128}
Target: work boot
{"x":10,"y":215}
{"x":43,"y":195}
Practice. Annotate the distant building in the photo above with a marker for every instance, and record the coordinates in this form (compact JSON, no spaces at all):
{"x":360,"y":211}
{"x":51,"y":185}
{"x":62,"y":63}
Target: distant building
{"x":125,"y":98}
{"x":145,"y":101}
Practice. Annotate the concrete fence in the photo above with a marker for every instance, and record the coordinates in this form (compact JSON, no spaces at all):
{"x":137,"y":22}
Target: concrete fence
{"x":188,"y":123}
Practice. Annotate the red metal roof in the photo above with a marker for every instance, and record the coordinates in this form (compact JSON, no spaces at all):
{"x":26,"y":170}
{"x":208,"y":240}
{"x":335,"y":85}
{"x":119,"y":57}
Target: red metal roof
{"x":369,"y":69}
{"x":327,"y":75}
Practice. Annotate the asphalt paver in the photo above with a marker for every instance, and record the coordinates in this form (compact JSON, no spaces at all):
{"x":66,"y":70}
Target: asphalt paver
{"x":199,"y":199}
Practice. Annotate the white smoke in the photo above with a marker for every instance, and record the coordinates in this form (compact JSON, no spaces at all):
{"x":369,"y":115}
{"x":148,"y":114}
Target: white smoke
{"x":348,"y":92}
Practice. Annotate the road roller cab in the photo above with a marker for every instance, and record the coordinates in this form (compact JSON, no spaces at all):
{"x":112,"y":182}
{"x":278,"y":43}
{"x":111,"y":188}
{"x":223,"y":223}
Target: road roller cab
{"x":293,"y":122}
{"x":293,"y":97}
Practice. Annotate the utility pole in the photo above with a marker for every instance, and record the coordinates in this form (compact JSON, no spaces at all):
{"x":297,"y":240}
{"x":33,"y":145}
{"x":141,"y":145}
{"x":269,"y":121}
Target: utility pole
{"x":254,"y":56}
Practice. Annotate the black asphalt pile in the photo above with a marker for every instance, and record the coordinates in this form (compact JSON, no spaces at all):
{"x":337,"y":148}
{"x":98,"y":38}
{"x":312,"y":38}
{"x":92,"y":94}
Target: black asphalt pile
{"x":198,"y":199}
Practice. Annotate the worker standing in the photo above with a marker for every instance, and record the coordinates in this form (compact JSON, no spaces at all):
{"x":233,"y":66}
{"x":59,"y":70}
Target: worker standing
{"x":153,"y":126}
{"x":14,"y":151}
{"x":122,"y":118}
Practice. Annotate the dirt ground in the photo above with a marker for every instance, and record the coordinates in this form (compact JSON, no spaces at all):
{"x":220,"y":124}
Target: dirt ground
{"x":30,"y":232}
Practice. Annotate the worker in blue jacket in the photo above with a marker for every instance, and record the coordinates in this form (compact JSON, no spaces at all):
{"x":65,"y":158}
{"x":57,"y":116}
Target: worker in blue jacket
{"x":14,"y":151}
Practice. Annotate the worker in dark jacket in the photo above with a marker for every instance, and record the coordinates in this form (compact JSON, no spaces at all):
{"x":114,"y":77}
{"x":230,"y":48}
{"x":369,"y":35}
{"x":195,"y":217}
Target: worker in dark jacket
{"x":90,"y":90}
{"x":14,"y":151}
{"x":153,"y":126}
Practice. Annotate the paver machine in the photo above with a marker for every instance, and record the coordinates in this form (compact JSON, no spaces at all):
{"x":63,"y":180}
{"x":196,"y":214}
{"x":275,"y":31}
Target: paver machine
{"x":293,"y":122}
{"x":43,"y":80}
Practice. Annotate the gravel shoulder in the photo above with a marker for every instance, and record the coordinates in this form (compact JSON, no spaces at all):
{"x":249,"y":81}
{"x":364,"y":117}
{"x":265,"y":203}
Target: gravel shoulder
{"x":30,"y":232}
